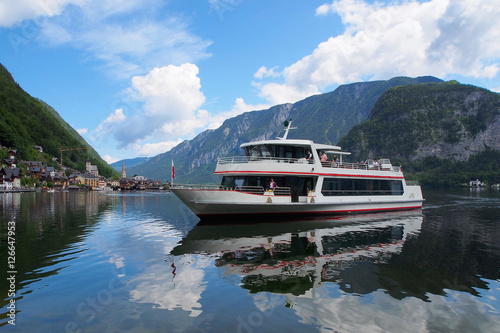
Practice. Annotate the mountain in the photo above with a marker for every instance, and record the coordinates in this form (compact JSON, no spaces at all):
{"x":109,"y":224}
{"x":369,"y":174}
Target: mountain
{"x":129,"y":163}
{"x":26,"y":121}
{"x":449,"y":133}
{"x":322,"y":118}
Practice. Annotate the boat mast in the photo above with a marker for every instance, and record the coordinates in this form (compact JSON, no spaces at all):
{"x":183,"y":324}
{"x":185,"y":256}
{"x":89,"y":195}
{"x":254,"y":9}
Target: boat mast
{"x":288,"y":127}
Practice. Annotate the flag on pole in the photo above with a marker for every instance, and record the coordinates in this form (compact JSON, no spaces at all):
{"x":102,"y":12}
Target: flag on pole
{"x":173,"y":170}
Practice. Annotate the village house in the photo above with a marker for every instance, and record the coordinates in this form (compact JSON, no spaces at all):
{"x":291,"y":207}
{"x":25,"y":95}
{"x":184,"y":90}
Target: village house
{"x":76,"y":179}
{"x":32,"y":163}
{"x":13,"y":154}
{"x":49,"y":173}
{"x":10,"y":178}
{"x":92,"y":169}
{"x":127,"y":183}
{"x":91,"y":180}
{"x":60,"y":182}
{"x":35,"y":169}
{"x":113,"y":183}
{"x":9,"y":162}
{"x":153,"y":184}
{"x":10,"y":175}
{"x":5,"y":184}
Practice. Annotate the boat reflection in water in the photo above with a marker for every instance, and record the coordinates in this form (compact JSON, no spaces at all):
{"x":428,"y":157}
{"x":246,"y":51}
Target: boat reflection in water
{"x":295,"y":257}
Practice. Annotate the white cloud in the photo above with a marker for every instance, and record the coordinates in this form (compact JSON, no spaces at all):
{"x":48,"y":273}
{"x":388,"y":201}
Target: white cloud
{"x":286,"y":93}
{"x":240,"y":107}
{"x":171,"y":111}
{"x":82,"y":131}
{"x":214,"y":121}
{"x":171,"y":92}
{"x":14,"y":12}
{"x":323,"y":9}
{"x":109,"y":124}
{"x":264,"y":72}
{"x":126,"y":36}
{"x":183,"y":292}
{"x":128,"y":49}
{"x":109,"y":159}
{"x":153,"y":149}
{"x":171,"y":98}
{"x":437,"y":37}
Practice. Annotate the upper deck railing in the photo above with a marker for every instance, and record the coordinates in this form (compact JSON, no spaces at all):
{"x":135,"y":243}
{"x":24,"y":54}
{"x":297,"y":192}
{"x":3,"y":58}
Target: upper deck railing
{"x":328,"y":164}
{"x":279,"y":191}
{"x":362,"y":166}
{"x":246,"y":159}
{"x":197,"y":187}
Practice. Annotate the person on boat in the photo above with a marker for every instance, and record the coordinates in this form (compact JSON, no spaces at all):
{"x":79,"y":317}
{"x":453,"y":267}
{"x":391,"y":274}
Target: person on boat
{"x":375,"y":164}
{"x":335,"y":161}
{"x":323,"y":157}
{"x":309,"y":155}
{"x":272,"y":184}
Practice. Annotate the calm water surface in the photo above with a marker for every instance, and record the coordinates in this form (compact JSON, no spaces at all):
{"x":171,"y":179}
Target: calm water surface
{"x":141,"y":262}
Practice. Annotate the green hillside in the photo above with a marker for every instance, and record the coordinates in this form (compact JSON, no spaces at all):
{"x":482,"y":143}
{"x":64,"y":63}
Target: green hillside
{"x":443,"y":133}
{"x":26,"y":121}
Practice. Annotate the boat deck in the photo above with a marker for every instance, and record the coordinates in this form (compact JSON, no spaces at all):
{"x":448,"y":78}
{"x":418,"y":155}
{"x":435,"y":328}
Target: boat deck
{"x":384,"y":164}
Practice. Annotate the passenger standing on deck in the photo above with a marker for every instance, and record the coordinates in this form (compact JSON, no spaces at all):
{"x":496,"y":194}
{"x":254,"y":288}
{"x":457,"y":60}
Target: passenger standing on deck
{"x":323,"y":157}
{"x":335,"y":161}
{"x":272,"y":184}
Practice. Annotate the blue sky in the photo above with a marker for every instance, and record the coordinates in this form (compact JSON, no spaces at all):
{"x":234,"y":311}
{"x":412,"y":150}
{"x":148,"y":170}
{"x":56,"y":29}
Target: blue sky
{"x":135,"y":78}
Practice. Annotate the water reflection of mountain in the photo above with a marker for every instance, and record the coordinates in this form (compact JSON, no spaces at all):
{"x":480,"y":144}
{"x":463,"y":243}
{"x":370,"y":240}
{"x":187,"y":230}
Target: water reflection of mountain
{"x":49,"y":231}
{"x":296,"y":257}
{"x":457,"y":249}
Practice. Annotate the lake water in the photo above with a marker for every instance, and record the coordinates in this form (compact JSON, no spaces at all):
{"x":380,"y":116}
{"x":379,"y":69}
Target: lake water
{"x":142,"y":262}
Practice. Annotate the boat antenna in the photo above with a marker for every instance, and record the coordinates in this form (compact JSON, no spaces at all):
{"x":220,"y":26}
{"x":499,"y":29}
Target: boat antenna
{"x":288,"y":127}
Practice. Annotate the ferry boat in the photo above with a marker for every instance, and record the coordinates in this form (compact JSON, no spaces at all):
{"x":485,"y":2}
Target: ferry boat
{"x":290,"y":176}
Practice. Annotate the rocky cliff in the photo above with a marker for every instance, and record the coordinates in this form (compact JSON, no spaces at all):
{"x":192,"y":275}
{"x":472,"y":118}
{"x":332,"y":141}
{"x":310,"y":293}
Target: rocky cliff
{"x":448,"y":121}
{"x":322,"y":118}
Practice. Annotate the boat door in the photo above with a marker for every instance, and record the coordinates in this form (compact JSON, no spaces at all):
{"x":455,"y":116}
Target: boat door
{"x":299,"y":186}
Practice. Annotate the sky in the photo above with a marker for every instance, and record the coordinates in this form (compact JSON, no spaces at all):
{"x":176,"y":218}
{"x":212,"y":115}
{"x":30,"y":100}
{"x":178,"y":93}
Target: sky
{"x":136,"y":78}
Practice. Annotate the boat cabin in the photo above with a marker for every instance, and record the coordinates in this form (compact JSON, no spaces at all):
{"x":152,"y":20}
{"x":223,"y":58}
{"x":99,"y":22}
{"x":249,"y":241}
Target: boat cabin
{"x":290,"y":151}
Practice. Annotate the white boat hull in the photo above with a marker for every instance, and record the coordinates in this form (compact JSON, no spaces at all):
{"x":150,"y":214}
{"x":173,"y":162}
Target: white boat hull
{"x":288,"y":177}
{"x":212,"y":203}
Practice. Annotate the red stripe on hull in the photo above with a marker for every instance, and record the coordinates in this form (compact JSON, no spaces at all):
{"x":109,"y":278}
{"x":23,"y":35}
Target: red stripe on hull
{"x":332,"y":212}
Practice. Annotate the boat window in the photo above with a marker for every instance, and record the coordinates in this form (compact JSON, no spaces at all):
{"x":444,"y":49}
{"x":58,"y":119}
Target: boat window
{"x":258,"y":151}
{"x":252,"y":152}
{"x":265,"y":151}
{"x":232,"y":182}
{"x":347,"y":186}
{"x":281,"y":151}
{"x":298,"y":185}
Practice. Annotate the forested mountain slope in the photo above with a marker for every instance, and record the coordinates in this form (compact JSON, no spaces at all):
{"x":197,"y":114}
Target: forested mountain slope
{"x":26,"y":121}
{"x":322,"y":118}
{"x":448,"y":132}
